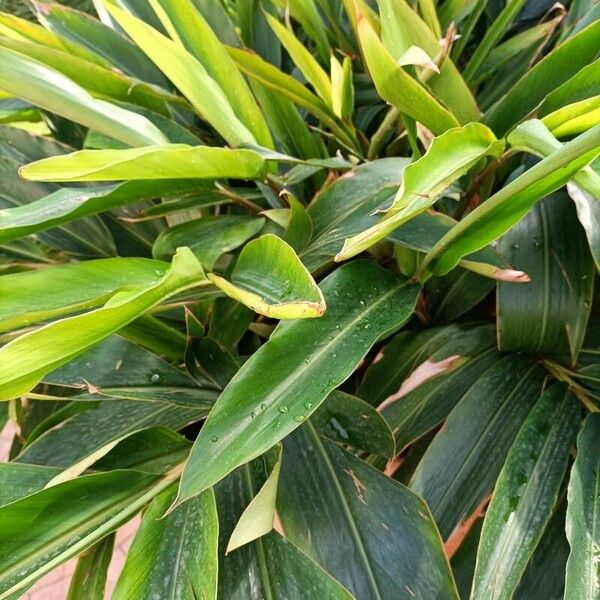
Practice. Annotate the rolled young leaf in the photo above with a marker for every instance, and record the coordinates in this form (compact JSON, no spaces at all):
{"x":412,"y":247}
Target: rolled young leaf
{"x":277,"y":388}
{"x":152,"y":162}
{"x":27,"y":359}
{"x":269,"y":278}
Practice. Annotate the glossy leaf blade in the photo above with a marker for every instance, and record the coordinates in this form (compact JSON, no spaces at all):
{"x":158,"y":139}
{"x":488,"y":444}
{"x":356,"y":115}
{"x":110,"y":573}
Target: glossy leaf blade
{"x":175,"y":556}
{"x":550,"y":313}
{"x":76,"y":515}
{"x":525,"y":494}
{"x":449,"y":157}
{"x":153,"y":162}
{"x":330,"y":499}
{"x":30,"y":357}
{"x":500,"y":212}
{"x":345,"y":207}
{"x":31,"y":80}
{"x":277,"y":389}
{"x":583,"y":533}
{"x":477,"y":436}
{"x":271,"y":566}
{"x":43,"y":294}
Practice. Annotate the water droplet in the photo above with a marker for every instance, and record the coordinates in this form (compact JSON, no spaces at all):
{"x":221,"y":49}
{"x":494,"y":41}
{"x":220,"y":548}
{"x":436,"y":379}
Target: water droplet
{"x":308,"y":405}
{"x":253,"y":415}
{"x":214,"y":438}
{"x":155,"y":378}
{"x":263,"y":406}
{"x":283,"y":409}
{"x":368,"y":326}
{"x":299,"y":418}
{"x":514,"y":246}
{"x":362,"y":302}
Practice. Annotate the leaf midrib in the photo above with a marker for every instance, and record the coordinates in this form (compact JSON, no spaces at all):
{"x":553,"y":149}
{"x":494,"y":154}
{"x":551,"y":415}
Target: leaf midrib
{"x":346,"y":510}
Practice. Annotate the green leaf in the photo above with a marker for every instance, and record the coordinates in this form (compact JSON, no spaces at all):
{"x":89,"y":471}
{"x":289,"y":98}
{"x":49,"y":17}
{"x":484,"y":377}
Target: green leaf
{"x":565,"y":61}
{"x":328,"y":497}
{"x":208,"y":238}
{"x":493,"y":35}
{"x":588,"y":213}
{"x":174,"y":556}
{"x":88,"y":436}
{"x":342,"y":87}
{"x":187,"y":26}
{"x":303,"y":59}
{"x":100,"y":81}
{"x":398,"y":88}
{"x":282,"y":388}
{"x":574,"y":118}
{"x":550,"y":313}
{"x":300,"y":227}
{"x":35,"y":82}
{"x":87,"y":32}
{"x":257,"y":518}
{"x":419,"y":390}
{"x":349,"y":420}
{"x":21,"y":480}
{"x":422,"y":232}
{"x":76,"y":514}
{"x":33,"y":355}
{"x":533,"y":136}
{"x":269,"y":278}
{"x":271,"y":566}
{"x":525,"y":494}
{"x":43,"y":294}
{"x":507,"y":206}
{"x":188,"y":74}
{"x":89,"y":579}
{"x":266,"y":74}
{"x":544,"y":578}
{"x":153,"y":162}
{"x":401,"y":28}
{"x":449,"y":157}
{"x":460,"y":466}
{"x":70,"y":203}
{"x":582,"y":576}
{"x":346,"y":206}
